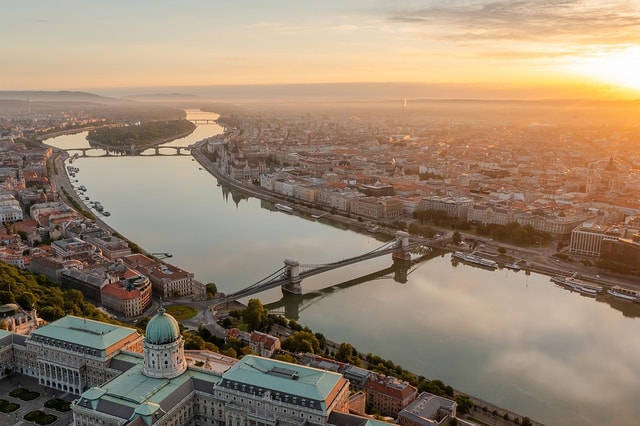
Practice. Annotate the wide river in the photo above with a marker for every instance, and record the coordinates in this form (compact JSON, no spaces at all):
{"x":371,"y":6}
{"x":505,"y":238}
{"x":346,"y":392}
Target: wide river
{"x":515,"y":340}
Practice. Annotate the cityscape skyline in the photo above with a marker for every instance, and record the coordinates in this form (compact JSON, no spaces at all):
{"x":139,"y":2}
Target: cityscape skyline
{"x":489,"y":49}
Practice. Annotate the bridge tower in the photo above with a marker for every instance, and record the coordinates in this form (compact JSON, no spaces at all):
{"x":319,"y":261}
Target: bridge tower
{"x":292,"y":272}
{"x":402,"y":244}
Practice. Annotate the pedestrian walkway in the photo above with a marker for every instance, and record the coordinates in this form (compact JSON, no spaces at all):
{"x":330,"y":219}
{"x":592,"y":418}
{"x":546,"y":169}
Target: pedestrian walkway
{"x":16,"y":381}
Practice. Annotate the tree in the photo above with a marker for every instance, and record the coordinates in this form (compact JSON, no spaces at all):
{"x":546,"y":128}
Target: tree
{"x":502,"y":250}
{"x":6,"y":297}
{"x":230,"y":353}
{"x":255,"y":315}
{"x":345,"y":352}
{"x":465,"y":404}
{"x":26,"y":300}
{"x":526,"y":421}
{"x":212,"y":289}
{"x":456,"y":238}
{"x":286,"y":358}
{"x":193,"y":342}
{"x":302,"y":341}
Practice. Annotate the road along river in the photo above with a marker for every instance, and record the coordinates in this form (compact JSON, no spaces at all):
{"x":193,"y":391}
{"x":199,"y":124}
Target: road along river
{"x":516,"y":340}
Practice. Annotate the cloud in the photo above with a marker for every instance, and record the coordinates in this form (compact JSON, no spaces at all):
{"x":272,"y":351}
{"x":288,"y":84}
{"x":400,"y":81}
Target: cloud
{"x":560,"y":21}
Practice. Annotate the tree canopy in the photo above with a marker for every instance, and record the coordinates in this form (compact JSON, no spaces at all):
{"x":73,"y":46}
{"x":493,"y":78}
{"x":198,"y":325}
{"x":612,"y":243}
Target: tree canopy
{"x":36,"y":291}
{"x":256,"y":316}
{"x":140,"y":135}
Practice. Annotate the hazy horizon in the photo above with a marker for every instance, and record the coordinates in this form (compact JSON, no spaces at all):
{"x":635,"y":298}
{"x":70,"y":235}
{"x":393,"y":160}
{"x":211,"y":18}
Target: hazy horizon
{"x":412,"y":92}
{"x":495,"y":49}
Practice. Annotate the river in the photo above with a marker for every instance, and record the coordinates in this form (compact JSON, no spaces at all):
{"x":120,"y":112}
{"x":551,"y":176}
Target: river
{"x":516,"y":340}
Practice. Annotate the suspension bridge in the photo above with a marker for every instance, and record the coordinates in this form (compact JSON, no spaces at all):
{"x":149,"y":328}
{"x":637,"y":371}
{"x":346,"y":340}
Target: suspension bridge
{"x":291,"y":305}
{"x":290,"y":276}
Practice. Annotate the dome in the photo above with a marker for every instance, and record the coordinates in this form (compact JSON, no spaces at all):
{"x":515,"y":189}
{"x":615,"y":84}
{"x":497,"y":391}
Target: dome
{"x":162,"y":329}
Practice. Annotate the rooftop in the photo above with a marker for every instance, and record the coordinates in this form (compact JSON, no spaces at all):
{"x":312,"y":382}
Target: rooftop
{"x":291,"y":379}
{"x":81,"y":331}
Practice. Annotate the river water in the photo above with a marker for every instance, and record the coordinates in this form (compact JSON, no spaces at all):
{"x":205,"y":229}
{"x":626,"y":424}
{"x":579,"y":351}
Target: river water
{"x":515,"y":340}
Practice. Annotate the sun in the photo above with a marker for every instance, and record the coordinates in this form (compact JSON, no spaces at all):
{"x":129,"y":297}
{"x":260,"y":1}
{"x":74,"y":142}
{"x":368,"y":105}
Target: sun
{"x":621,"y":67}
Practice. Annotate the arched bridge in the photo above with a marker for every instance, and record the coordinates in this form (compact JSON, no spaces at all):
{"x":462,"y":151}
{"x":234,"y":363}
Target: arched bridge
{"x":131,"y":151}
{"x":290,"y":276}
{"x":203,"y":120}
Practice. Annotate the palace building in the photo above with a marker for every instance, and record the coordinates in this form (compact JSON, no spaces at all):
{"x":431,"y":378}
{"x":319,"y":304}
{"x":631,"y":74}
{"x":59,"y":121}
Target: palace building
{"x":122,"y":378}
{"x":160,"y":388}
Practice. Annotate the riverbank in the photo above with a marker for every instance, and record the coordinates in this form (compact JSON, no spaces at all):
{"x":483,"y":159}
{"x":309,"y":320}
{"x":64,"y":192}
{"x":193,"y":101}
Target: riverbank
{"x":537,"y":260}
{"x":447,"y":322}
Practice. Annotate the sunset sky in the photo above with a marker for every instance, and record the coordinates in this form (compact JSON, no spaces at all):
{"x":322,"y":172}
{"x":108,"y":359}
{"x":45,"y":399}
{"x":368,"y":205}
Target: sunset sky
{"x":558,"y":48}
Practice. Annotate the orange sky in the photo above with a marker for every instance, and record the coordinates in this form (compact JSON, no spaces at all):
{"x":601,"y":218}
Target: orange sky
{"x":563,"y":47}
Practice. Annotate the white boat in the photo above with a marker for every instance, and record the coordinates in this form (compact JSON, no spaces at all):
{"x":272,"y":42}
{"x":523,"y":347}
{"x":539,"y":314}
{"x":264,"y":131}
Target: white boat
{"x":475,"y":259}
{"x":373,"y":229}
{"x":624,"y":293}
{"x":284,"y":208}
{"x":513,"y":266}
{"x":578,"y":285}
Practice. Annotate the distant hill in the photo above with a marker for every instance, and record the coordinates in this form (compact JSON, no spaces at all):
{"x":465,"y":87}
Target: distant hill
{"x":166,"y":97}
{"x":58,"y":96}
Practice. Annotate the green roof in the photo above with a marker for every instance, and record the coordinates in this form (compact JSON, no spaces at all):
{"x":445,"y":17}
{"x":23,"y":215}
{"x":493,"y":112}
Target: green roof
{"x":162,"y":329}
{"x":278,"y":376}
{"x":84,"y":332}
{"x":134,"y":386}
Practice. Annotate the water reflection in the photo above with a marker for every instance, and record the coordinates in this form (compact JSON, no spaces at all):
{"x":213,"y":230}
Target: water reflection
{"x":290,"y":305}
{"x":510,"y":338}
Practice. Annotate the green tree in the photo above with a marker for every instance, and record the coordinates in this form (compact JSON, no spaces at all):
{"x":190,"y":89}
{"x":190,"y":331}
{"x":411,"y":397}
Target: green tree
{"x":456,"y":238}
{"x":26,"y":300}
{"x":51,"y":313}
{"x":285,"y":358}
{"x":193,"y":341}
{"x":6,"y":297}
{"x":212,"y":290}
{"x":346,"y":353}
{"x":302,"y":341}
{"x":230,"y":353}
{"x":526,"y":421}
{"x":255,"y":315}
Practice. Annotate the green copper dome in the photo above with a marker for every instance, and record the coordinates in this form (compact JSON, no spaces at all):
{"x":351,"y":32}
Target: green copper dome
{"x":162,"y":329}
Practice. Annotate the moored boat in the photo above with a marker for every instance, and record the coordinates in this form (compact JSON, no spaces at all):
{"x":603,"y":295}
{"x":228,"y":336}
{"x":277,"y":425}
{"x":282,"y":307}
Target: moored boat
{"x":624,"y":293}
{"x":475,"y":259}
{"x":578,"y":285}
{"x":513,"y":266}
{"x":284,"y":208}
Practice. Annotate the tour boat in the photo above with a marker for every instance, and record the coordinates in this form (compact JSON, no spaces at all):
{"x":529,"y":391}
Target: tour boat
{"x":475,"y":259}
{"x":624,"y":293}
{"x":578,"y":285}
{"x":284,"y":208}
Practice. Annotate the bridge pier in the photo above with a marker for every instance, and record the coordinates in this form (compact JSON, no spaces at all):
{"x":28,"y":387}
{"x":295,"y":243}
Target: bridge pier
{"x":292,"y":272}
{"x":402,"y":243}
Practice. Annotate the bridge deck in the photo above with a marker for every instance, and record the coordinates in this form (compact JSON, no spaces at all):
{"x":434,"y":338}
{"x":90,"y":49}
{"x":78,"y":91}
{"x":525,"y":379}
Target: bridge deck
{"x":279,"y":280}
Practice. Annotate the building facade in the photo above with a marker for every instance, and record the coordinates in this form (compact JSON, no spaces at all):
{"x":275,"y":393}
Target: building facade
{"x":160,"y":388}
{"x":70,"y":354}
